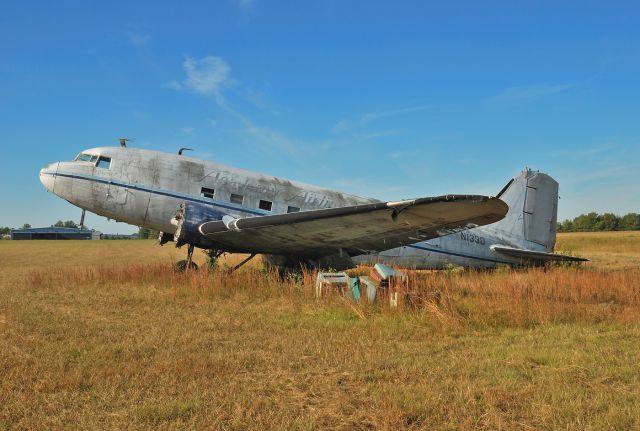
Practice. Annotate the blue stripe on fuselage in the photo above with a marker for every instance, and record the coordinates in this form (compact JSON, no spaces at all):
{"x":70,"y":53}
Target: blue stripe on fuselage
{"x":469,"y":256}
{"x":153,"y":190}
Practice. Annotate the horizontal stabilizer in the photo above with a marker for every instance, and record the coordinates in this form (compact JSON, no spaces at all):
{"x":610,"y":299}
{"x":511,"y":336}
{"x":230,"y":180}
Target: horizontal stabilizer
{"x":354,"y":229}
{"x":540,"y":256}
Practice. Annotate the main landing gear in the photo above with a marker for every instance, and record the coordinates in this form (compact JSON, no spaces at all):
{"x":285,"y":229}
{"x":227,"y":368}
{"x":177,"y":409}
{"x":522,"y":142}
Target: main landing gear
{"x":188,"y":263}
{"x":212,"y":255}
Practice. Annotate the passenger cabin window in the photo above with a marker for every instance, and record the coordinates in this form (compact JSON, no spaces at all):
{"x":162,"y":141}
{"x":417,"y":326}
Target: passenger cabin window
{"x":291,"y":209}
{"x":104,"y":162}
{"x":236,"y":199}
{"x":207,"y":193}
{"x":265,"y":205}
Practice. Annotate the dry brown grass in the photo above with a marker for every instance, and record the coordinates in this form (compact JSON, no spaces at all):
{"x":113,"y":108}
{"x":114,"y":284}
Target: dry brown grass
{"x":607,"y":250}
{"x":107,"y":336}
{"x":503,"y":298}
{"x":610,"y":242}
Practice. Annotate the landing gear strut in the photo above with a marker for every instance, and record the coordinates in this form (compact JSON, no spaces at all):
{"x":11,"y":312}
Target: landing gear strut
{"x":212,"y":257}
{"x":243,"y":262}
{"x":82,"y":219}
{"x":190,"y":248}
{"x":183,"y":265}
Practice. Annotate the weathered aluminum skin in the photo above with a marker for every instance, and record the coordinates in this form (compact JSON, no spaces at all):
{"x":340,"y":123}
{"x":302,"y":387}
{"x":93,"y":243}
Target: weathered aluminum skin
{"x":530,"y":224}
{"x":145,"y":188}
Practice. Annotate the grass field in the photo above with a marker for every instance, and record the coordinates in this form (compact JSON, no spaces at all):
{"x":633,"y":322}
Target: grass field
{"x":607,"y":250}
{"x":104,"y":335}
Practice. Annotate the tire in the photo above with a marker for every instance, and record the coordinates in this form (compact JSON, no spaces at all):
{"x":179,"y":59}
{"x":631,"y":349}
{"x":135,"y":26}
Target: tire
{"x":181,"y":266}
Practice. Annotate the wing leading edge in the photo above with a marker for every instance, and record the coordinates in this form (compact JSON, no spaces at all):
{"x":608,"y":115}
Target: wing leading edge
{"x":355,"y":229}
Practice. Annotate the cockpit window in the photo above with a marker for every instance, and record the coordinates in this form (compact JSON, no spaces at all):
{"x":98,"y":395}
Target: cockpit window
{"x":104,"y":162}
{"x":99,"y":161}
{"x":85,"y":158}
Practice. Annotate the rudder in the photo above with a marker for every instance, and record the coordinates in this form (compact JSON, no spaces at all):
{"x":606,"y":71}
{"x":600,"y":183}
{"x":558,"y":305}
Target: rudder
{"x":531,"y":220}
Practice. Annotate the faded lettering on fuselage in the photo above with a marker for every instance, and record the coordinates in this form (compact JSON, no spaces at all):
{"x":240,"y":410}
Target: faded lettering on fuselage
{"x":472,"y":238}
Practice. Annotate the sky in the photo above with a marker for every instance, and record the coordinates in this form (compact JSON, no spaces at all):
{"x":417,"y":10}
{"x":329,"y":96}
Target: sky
{"x":388,"y":99}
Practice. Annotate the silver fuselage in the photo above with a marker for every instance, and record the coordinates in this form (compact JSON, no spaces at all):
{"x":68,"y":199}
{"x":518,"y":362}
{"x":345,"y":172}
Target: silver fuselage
{"x":144,"y":188}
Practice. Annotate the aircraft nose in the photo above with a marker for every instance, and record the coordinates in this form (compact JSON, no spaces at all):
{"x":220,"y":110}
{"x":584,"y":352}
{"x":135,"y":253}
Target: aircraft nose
{"x":48,"y":176}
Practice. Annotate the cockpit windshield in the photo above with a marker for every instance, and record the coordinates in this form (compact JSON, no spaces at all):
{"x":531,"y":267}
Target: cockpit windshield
{"x":83,"y":157}
{"x":98,"y":161}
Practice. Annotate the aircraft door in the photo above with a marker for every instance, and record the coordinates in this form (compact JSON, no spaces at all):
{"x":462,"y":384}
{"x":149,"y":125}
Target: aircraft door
{"x":114,"y":171}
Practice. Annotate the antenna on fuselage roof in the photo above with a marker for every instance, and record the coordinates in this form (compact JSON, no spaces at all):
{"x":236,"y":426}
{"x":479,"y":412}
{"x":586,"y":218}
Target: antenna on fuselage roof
{"x":123,"y":142}
{"x":184,"y":149}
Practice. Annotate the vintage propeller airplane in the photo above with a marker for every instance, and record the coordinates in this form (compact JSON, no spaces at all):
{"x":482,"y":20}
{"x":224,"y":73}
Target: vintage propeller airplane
{"x":225,"y":209}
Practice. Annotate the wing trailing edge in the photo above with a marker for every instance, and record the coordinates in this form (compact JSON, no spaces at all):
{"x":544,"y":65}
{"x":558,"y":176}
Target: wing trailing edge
{"x":539,"y":256}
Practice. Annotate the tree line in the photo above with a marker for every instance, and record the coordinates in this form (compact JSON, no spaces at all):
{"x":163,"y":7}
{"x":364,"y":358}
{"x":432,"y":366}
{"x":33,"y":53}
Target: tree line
{"x":143,"y":233}
{"x":593,"y":222}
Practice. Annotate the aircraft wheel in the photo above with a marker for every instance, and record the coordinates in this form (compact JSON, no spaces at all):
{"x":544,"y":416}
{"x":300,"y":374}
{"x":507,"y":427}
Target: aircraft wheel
{"x":181,"y":266}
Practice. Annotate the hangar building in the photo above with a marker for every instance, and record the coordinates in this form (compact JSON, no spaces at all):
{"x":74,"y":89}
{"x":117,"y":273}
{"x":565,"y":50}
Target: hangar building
{"x":54,"y":233}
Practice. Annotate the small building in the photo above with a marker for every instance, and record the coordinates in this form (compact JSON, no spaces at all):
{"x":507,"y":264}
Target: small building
{"x":54,"y":233}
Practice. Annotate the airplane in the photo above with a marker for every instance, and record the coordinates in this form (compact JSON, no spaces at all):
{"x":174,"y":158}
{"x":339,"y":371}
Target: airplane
{"x":221,"y":209}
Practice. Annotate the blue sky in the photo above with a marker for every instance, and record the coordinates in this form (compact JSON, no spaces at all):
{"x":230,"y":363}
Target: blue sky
{"x":383,"y":99}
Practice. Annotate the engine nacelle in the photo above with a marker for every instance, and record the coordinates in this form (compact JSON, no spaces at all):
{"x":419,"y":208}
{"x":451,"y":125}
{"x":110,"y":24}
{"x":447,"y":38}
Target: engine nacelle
{"x":188,"y":218}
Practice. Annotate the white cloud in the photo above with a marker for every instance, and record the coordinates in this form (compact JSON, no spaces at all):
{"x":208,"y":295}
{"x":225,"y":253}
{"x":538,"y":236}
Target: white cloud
{"x":588,"y":152}
{"x":139,"y":40}
{"x":346,"y":125}
{"x":173,"y":85}
{"x":210,"y":76}
{"x":245,"y":5}
{"x":259,"y":100}
{"x":207,"y":75}
{"x":528,"y":93}
{"x":188,"y":130}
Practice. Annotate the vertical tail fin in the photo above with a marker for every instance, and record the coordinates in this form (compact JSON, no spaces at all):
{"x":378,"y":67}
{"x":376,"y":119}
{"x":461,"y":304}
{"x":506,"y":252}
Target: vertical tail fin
{"x":533,"y":211}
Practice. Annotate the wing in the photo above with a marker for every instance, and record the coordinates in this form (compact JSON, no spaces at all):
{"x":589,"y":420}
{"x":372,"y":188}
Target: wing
{"x":355,"y":229}
{"x":539,"y":256}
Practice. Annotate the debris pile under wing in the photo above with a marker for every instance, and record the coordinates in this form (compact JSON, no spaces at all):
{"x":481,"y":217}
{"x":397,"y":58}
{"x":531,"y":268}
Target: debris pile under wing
{"x":383,"y":283}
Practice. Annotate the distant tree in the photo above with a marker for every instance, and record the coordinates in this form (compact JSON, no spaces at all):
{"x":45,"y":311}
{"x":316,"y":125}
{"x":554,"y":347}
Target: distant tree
{"x":143,"y":233}
{"x":567,"y":226}
{"x":608,"y":221}
{"x":70,"y":223}
{"x":5,"y":230}
{"x":596,"y":222}
{"x":630,"y":221}
{"x":26,"y":226}
{"x":586,"y":222}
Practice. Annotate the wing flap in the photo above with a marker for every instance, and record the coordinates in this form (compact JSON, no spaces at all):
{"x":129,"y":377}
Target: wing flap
{"x":355,"y":229}
{"x":540,"y":256}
